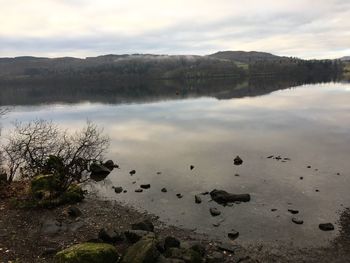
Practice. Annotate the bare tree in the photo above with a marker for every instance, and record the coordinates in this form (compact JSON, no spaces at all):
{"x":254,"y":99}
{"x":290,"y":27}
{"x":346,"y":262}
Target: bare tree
{"x":41,"y":147}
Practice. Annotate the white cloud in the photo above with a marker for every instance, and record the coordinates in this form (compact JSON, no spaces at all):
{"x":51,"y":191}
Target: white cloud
{"x":62,"y":27}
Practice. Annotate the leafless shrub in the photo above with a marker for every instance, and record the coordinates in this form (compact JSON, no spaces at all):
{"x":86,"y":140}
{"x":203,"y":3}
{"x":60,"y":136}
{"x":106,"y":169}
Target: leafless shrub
{"x":41,"y":147}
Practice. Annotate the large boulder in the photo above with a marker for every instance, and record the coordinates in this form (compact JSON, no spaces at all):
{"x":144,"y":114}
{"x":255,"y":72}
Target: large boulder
{"x":99,"y":169}
{"x":223,"y":197}
{"x":143,"y":251}
{"x":88,"y":252}
{"x":109,"y":164}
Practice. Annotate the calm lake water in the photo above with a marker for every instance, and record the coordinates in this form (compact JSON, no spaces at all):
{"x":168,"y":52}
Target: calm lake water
{"x":161,"y":138}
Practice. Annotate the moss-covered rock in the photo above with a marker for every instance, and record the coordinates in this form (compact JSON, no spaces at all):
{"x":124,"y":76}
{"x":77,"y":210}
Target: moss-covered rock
{"x":88,"y":253}
{"x":144,"y":251}
{"x":47,"y":192}
{"x":74,"y":194}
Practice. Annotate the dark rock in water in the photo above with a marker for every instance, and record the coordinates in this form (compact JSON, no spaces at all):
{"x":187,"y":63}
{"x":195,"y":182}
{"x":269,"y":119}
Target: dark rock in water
{"x":145,"y":186}
{"x":326,"y":226}
{"x":278,"y":158}
{"x":301,"y":178}
{"x":214,"y":211}
{"x":74,"y":211}
{"x":205,"y":193}
{"x":99,"y":169}
{"x":164,"y":190}
{"x":297,"y":221}
{"x":191,"y":167}
{"x":233,"y":235}
{"x":159,"y":173}
{"x":135,"y":235}
{"x":110,"y":236}
{"x":109,"y":164}
{"x":317,"y":190}
{"x":170,"y":242}
{"x":223,"y":197}
{"x":273,"y":209}
{"x":179,"y":195}
{"x":118,"y":189}
{"x":138,"y":190}
{"x":309,"y":166}
{"x":145,"y":225}
{"x":132,"y":172}
{"x":125,"y":191}
{"x":286,"y":159}
{"x":237,"y":175}
{"x":292,"y":211}
{"x":237,"y":160}
{"x":269,"y":157}
{"x":197,"y":199}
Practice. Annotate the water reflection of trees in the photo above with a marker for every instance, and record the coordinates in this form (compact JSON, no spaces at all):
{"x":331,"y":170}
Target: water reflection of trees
{"x":138,"y":90}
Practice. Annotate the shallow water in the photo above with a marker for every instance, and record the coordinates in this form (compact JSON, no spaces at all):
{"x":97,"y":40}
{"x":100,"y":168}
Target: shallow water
{"x":310,"y":124}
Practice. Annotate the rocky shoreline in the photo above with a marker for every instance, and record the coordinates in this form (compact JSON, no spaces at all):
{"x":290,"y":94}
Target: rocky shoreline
{"x":37,"y":235}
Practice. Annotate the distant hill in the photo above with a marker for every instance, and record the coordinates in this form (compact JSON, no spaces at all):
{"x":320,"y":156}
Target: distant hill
{"x":237,"y":64}
{"x":246,"y":57}
{"x":346,"y":58}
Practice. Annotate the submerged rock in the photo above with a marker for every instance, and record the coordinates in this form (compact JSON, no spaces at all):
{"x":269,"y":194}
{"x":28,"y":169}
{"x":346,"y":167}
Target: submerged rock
{"x":179,"y":196}
{"x":223,"y":197}
{"x":132,"y":172}
{"x":326,"y":227}
{"x":164,"y":190}
{"x":214,"y":211}
{"x":145,"y":186}
{"x":138,"y":190}
{"x":191,"y":167}
{"x":88,"y":252}
{"x":237,"y":160}
{"x":293,"y":211}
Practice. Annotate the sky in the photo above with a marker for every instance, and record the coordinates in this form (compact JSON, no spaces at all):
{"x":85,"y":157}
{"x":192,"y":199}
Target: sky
{"x":81,"y":28}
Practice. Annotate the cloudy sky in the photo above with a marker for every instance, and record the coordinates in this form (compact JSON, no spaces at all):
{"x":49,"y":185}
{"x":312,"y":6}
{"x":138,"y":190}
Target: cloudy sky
{"x":302,"y":28}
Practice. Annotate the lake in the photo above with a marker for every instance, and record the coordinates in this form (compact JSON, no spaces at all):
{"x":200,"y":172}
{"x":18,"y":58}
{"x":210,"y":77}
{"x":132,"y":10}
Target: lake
{"x":162,"y":136}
